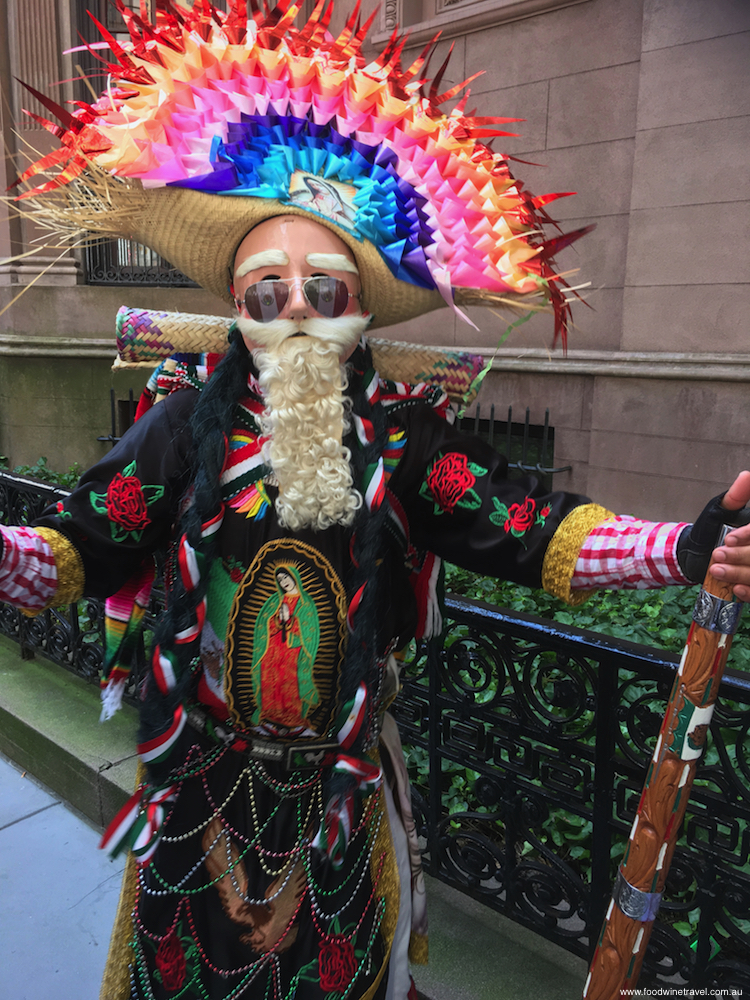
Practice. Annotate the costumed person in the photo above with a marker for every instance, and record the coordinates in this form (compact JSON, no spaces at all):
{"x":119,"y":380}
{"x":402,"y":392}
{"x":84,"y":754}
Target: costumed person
{"x":303,"y":502}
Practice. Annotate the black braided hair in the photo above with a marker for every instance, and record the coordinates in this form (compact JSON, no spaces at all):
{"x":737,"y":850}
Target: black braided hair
{"x":361,"y":659}
{"x":210,"y":426}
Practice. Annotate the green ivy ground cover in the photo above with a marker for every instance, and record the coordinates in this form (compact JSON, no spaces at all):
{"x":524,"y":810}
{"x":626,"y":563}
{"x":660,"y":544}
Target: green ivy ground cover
{"x":40,"y":470}
{"x":658,"y":618}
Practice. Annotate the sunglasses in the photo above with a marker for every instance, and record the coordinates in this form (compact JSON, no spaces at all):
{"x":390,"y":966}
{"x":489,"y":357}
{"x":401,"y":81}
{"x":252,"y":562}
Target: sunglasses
{"x":265,"y":300}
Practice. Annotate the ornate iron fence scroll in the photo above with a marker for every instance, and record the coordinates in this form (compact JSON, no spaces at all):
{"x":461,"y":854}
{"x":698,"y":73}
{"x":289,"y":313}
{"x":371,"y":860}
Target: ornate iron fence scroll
{"x":527,"y":742}
{"x":528,"y":745}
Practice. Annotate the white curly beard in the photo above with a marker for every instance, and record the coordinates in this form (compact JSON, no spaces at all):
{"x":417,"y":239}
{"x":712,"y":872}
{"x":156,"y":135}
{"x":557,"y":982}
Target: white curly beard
{"x":306,"y":416}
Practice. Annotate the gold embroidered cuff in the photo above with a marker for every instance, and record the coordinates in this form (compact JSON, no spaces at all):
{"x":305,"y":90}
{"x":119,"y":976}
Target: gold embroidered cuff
{"x":70,"y":575}
{"x":562,"y":552}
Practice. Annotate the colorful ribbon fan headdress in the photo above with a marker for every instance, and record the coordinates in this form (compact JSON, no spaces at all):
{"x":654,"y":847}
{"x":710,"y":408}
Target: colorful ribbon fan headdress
{"x":212,"y":122}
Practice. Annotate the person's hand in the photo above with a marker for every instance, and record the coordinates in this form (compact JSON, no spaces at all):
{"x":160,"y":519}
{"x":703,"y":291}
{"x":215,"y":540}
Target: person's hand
{"x":730,"y":562}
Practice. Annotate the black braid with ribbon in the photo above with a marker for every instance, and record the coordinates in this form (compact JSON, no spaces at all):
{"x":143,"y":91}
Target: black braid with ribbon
{"x":368,"y":536}
{"x":210,"y":425}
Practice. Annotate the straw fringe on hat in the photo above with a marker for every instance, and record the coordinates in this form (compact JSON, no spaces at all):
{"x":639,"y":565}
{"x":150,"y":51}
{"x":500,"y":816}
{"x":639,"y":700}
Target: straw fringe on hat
{"x":216,"y":122}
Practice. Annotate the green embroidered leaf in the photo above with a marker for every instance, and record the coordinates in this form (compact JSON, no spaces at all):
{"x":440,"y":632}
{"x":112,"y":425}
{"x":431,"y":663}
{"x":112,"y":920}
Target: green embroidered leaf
{"x":500,"y":515}
{"x":129,"y":470}
{"x":424,"y":492}
{"x":152,"y":493}
{"x":470,"y":500}
{"x":98,"y":502}
{"x":477,"y":469}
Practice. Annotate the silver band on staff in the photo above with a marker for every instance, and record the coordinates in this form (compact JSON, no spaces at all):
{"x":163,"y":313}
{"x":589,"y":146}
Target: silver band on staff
{"x":635,"y":903}
{"x":715,"y":614}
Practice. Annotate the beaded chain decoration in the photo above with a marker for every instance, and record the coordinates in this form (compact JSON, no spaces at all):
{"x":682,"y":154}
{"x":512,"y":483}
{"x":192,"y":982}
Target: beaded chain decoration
{"x":346,"y":913}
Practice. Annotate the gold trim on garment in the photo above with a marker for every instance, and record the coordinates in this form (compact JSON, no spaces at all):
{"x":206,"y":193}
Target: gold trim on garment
{"x":70,"y":574}
{"x":116,"y":979}
{"x":419,"y":949}
{"x":562,"y":552}
{"x":389,"y":887}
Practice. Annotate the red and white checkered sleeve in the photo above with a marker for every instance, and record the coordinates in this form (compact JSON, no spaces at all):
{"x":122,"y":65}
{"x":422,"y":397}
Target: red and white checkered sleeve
{"x":28,"y":572}
{"x":629,"y":554}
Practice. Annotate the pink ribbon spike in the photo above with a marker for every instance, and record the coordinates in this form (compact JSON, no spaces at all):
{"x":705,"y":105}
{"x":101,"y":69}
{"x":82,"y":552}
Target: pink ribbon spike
{"x":320,"y":117}
{"x":218,"y":102}
{"x":442,"y":278}
{"x":346,"y":127}
{"x":301,"y":93}
{"x":432,"y":179}
{"x":261,"y":104}
{"x":278,"y":90}
{"x":245,"y":84}
{"x":300,"y":109}
{"x":280,"y":106}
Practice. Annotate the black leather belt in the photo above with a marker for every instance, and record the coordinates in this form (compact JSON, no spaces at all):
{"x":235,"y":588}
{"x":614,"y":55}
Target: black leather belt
{"x":299,"y":755}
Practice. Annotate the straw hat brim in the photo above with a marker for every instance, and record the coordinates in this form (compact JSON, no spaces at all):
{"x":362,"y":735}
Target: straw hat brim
{"x":199,"y":233}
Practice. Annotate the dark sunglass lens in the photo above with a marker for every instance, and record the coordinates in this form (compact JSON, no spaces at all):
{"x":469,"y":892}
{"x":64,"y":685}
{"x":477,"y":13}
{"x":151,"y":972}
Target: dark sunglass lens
{"x":265,"y":299}
{"x":327,"y":296}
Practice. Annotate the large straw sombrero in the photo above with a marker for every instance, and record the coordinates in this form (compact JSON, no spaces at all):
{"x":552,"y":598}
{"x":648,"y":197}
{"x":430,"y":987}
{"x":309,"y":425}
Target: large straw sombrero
{"x":170,"y":218}
{"x":213,"y":122}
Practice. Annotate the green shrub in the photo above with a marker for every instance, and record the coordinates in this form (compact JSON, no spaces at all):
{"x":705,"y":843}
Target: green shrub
{"x":40,"y":470}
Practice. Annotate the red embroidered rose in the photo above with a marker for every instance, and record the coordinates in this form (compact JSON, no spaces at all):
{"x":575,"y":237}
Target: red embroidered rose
{"x":337,"y":964}
{"x":170,"y":961}
{"x":449,"y":479}
{"x":126,"y":504}
{"x":235,"y":575}
{"x":521,"y":516}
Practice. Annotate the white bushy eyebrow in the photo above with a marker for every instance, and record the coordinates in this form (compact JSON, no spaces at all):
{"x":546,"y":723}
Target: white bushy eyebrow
{"x":332,"y":262}
{"x":266,"y":258}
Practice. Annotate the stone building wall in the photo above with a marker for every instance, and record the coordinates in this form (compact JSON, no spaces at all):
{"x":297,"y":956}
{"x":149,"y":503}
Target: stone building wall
{"x":641,"y":106}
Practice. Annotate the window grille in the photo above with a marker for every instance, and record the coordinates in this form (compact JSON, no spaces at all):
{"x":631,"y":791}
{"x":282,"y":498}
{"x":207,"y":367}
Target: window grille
{"x":124,"y":262}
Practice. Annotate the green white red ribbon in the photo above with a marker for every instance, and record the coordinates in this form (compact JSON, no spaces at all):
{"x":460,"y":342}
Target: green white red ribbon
{"x":335,"y":829}
{"x":139,"y":823}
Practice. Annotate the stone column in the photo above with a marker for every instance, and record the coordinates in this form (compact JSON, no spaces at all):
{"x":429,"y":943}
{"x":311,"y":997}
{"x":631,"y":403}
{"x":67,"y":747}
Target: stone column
{"x":33,"y":35}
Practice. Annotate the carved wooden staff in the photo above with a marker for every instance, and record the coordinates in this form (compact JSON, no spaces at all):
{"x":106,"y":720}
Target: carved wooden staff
{"x":635,"y":901}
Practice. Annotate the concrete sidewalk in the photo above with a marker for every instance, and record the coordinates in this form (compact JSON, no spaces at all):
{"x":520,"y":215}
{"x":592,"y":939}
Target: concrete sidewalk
{"x":58,"y":893}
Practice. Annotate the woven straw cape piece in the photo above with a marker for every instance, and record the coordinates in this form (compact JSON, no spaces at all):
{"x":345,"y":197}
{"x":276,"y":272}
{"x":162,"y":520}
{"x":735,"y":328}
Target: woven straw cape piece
{"x":146,"y":337}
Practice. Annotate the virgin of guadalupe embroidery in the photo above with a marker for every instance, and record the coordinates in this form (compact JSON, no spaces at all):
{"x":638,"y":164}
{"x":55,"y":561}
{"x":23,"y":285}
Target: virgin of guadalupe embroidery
{"x":285,"y":645}
{"x":285,"y":640}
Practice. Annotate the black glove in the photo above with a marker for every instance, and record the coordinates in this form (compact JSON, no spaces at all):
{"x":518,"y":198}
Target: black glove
{"x":697,"y":541}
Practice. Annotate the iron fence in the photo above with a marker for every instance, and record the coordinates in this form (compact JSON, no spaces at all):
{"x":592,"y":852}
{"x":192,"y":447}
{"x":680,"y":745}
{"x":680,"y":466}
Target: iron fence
{"x":528,"y":743}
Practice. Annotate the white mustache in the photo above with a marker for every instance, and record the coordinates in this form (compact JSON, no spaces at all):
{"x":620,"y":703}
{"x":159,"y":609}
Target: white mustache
{"x":339,"y":333}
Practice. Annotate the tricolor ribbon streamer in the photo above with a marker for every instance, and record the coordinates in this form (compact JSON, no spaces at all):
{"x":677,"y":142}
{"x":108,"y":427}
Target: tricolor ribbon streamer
{"x":335,"y":830}
{"x":139,"y":823}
